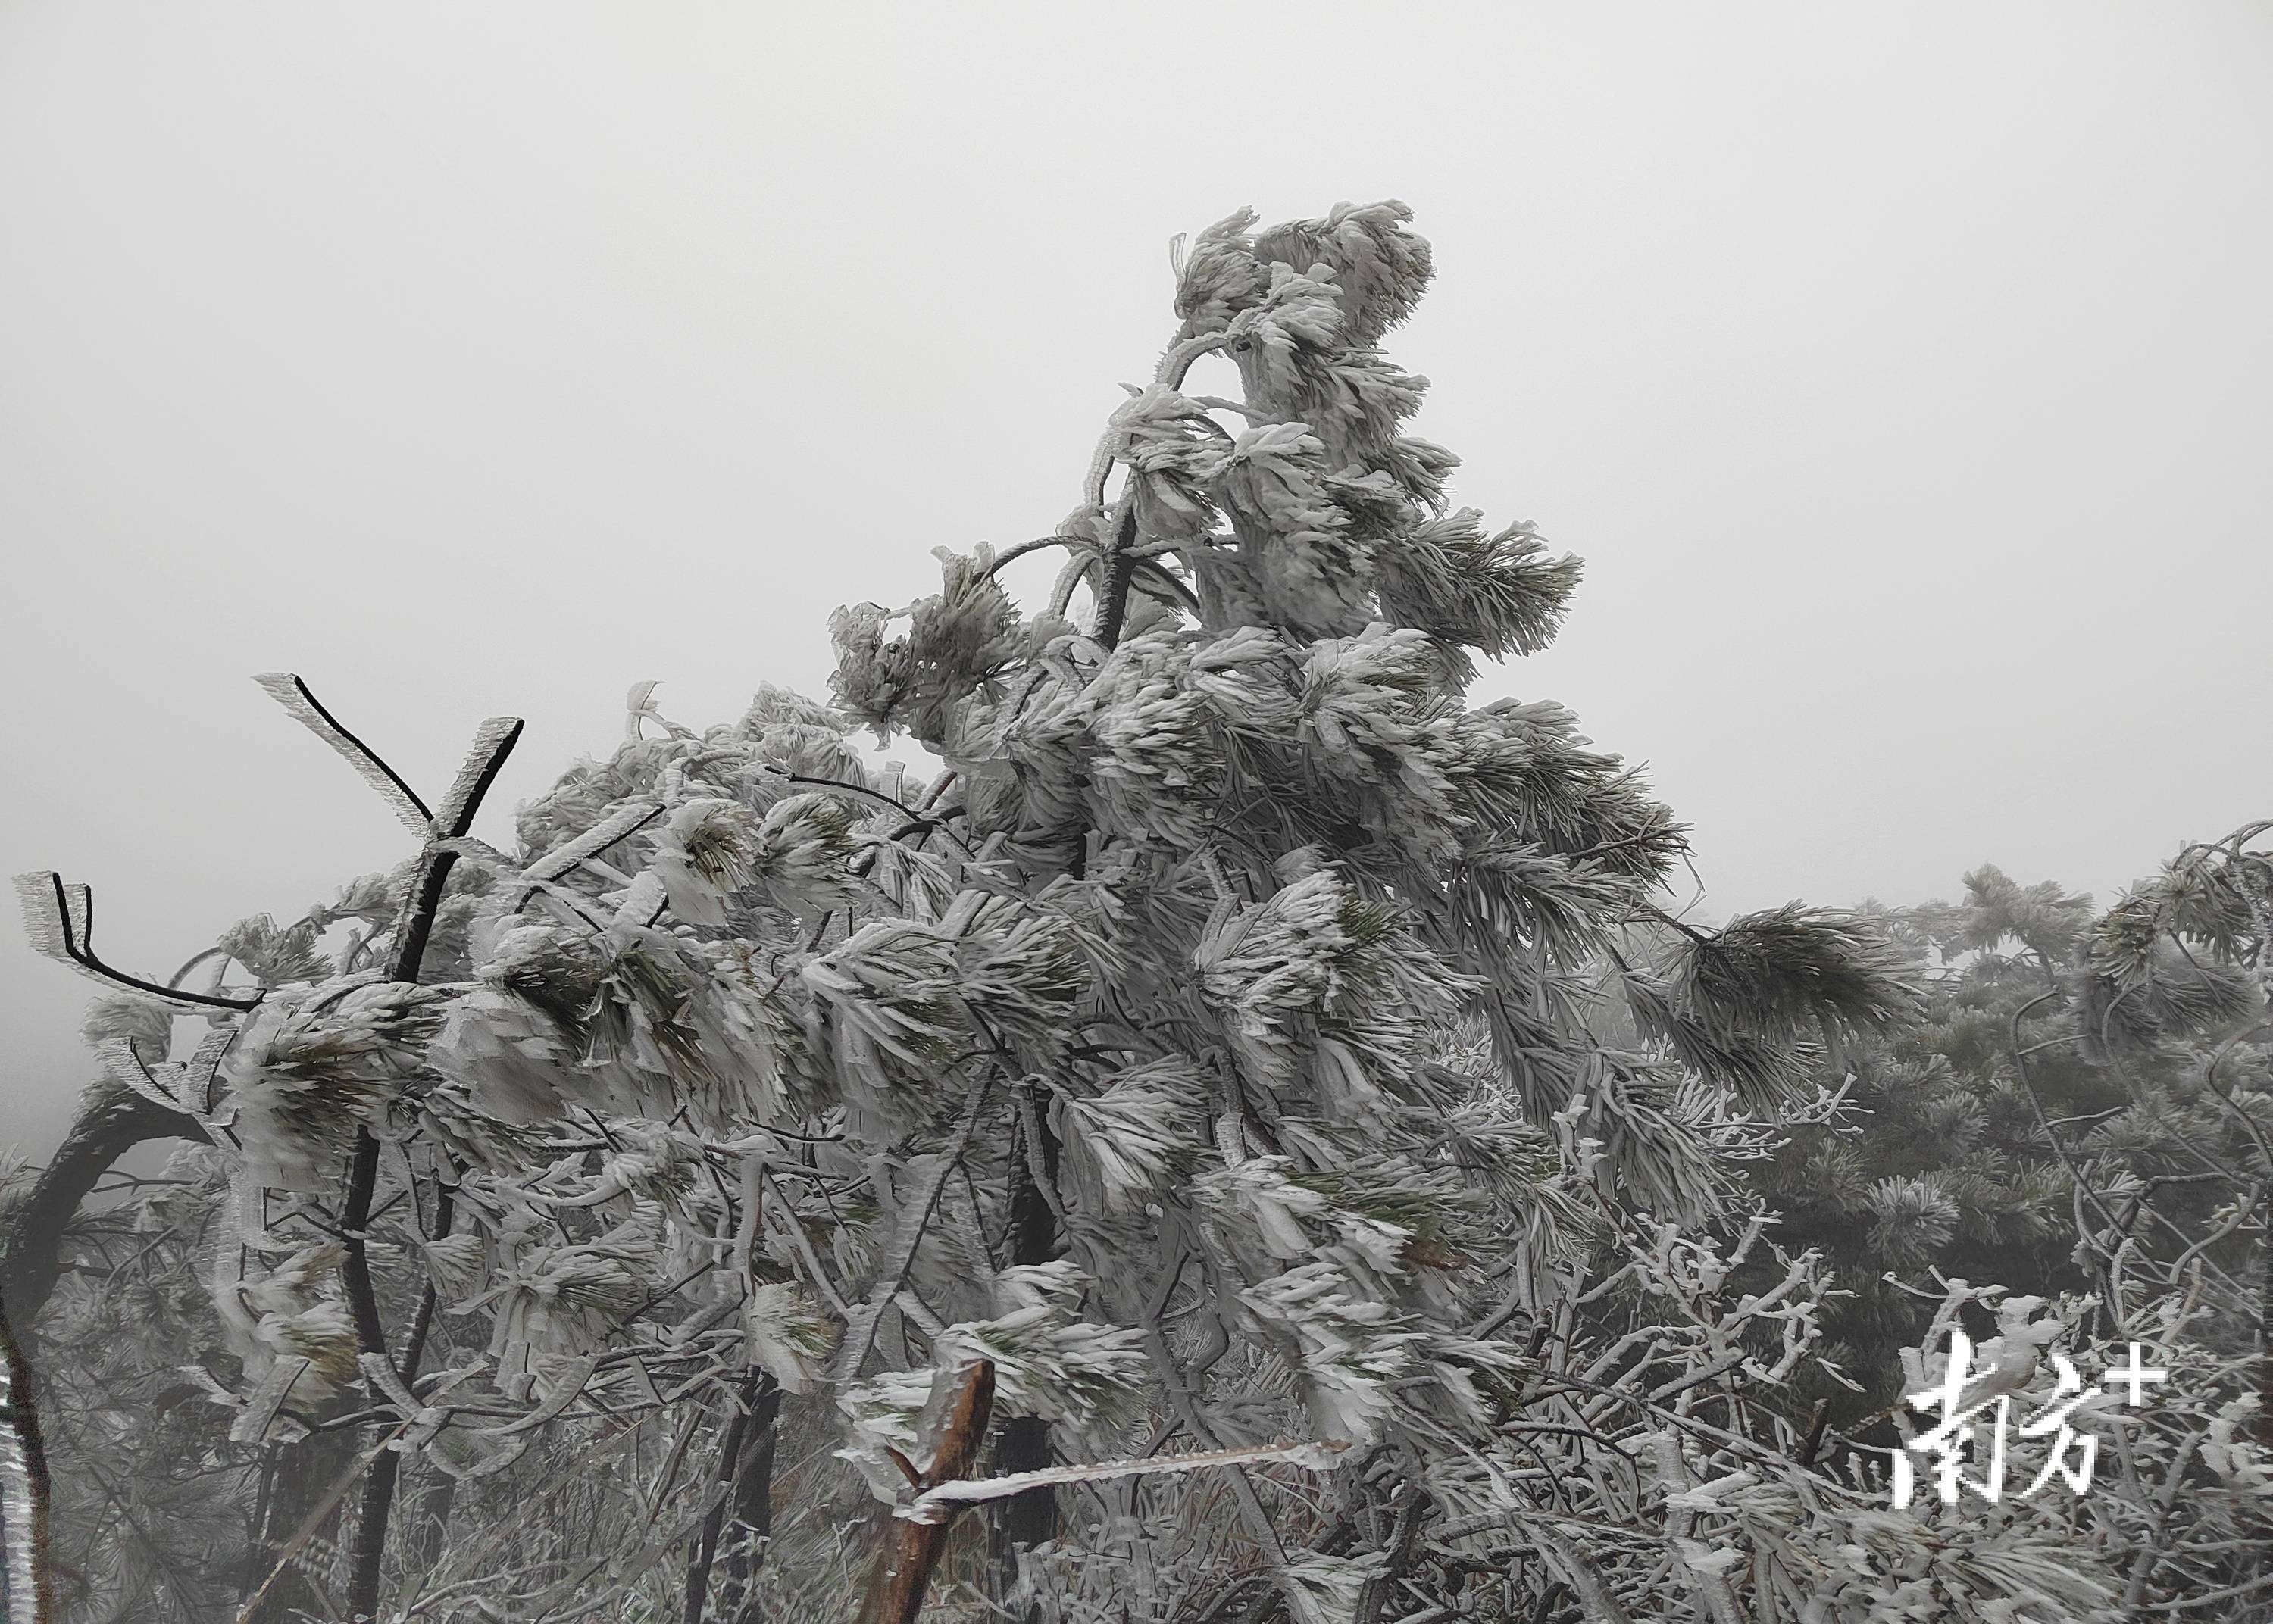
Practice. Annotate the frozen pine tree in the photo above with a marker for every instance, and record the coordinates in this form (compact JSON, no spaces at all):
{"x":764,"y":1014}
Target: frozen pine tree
{"x":1296,"y":1129}
{"x":1247,"y":1126}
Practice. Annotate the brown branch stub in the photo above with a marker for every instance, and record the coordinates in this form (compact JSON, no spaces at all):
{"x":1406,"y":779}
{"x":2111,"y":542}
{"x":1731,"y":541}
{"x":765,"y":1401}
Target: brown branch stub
{"x":911,"y":1549}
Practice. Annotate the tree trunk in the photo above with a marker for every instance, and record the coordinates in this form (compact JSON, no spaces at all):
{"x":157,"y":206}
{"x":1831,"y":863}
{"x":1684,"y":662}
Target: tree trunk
{"x":31,"y":1586}
{"x":2265,"y":1318}
{"x":745,"y":1465}
{"x":112,"y":1119}
{"x":1022,"y":1443}
{"x":706,"y":1544}
{"x":304,"y":1472}
{"x":752,"y":1507}
{"x":367,"y":1561}
{"x":367,"y":1555}
{"x":911,"y":1550}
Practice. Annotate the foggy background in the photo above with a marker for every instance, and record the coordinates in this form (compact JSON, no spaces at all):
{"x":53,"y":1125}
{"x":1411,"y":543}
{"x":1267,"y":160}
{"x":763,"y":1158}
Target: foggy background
{"x":1899,"y":371}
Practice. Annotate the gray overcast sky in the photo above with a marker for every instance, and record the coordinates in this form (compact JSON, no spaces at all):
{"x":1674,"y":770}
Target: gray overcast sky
{"x":1899,"y":369}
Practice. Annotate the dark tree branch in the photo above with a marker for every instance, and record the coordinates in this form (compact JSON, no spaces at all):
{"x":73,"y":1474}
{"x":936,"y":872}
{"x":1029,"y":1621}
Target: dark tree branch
{"x":112,"y":1119}
{"x":63,"y":932}
{"x":1806,"y":1456}
{"x":1027,"y":1519}
{"x":752,"y":1503}
{"x":370,"y":1547}
{"x":296,"y":696}
{"x":1120,"y":571}
{"x":1023,"y":548}
{"x":1413,"y":1503}
{"x":492,"y":746}
{"x":705,"y":1549}
{"x":1176,"y":589}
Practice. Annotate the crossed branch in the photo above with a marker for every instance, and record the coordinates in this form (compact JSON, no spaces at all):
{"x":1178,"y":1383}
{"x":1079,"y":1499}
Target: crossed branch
{"x":60,"y":917}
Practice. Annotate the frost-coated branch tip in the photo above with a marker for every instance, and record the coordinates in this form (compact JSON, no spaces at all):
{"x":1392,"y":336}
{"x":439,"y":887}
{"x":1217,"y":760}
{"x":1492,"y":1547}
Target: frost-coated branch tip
{"x":936,"y":1505}
{"x":60,"y":921}
{"x":296,"y":696}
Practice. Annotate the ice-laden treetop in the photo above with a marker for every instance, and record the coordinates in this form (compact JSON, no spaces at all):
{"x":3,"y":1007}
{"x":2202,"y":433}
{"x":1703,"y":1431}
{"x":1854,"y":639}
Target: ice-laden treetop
{"x":1243,"y":1040}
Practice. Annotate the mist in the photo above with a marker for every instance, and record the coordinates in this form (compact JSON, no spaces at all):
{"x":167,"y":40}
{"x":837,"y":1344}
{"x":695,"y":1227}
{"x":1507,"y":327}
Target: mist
{"x":1897,"y":371}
